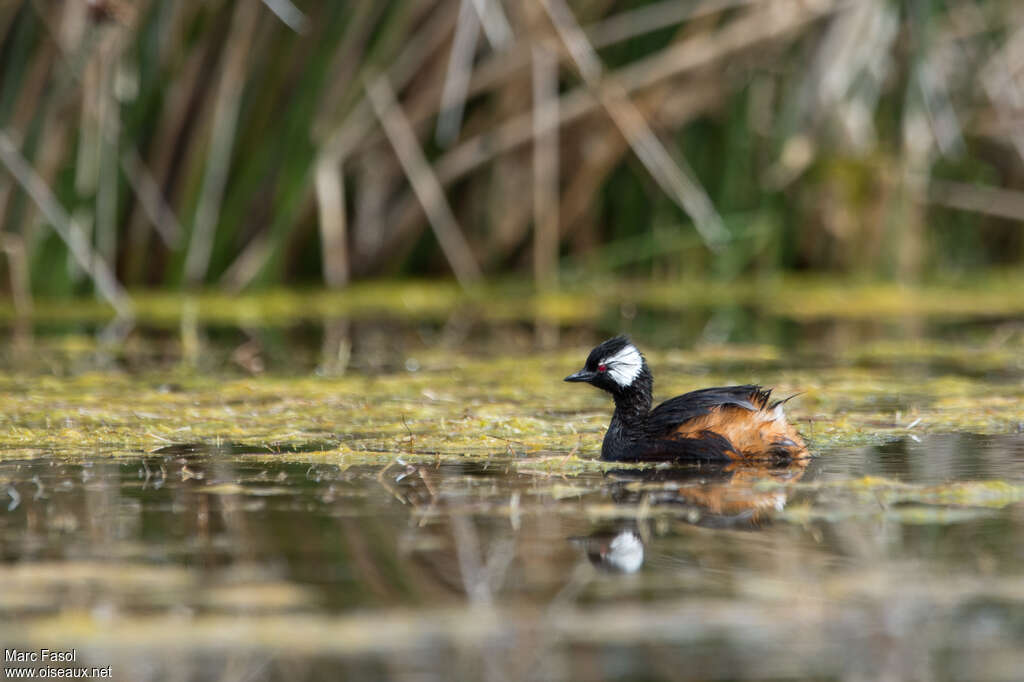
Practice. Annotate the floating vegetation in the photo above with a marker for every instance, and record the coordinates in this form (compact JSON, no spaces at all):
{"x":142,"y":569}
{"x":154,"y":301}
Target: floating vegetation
{"x":994,"y":295}
{"x":452,"y":406}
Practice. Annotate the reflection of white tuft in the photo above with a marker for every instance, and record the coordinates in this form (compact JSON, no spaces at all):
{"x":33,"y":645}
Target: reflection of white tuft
{"x":626,"y":552}
{"x":624,"y":366}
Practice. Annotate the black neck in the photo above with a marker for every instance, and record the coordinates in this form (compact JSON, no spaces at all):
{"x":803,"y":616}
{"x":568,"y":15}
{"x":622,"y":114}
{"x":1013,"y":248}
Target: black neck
{"x":632,"y":405}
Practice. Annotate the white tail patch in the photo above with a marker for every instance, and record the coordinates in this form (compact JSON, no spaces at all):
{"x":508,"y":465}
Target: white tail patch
{"x":776,"y":414}
{"x":624,"y":366}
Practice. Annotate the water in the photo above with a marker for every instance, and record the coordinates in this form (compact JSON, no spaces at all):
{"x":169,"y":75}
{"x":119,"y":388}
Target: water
{"x":420,"y":500}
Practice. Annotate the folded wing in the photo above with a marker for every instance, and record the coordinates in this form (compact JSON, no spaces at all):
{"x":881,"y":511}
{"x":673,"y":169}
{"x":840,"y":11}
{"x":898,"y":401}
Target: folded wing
{"x":726,"y":422}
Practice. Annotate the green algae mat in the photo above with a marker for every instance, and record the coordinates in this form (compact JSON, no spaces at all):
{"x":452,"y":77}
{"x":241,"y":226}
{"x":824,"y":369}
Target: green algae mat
{"x":393,"y":482}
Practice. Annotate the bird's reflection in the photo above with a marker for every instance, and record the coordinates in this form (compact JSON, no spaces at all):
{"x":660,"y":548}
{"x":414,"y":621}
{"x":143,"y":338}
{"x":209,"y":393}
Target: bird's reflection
{"x":720,"y":495}
{"x":617,"y":552}
{"x":730,"y":496}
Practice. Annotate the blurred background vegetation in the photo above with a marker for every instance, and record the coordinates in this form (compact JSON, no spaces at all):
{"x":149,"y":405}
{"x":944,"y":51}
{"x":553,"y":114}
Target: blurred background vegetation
{"x":243,"y":143}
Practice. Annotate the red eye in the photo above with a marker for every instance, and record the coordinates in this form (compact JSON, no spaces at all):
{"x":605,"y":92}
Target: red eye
{"x":602,"y":368}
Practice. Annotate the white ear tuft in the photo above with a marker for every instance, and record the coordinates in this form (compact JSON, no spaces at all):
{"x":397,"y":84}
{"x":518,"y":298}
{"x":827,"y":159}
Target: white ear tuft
{"x":624,"y":366}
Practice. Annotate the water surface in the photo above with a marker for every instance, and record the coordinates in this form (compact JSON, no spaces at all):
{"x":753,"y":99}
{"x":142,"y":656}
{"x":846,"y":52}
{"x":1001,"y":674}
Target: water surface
{"x":375,"y":496}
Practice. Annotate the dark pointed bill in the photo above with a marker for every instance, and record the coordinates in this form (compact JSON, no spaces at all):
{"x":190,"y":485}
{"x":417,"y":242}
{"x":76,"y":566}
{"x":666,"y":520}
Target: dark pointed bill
{"x":582,"y":375}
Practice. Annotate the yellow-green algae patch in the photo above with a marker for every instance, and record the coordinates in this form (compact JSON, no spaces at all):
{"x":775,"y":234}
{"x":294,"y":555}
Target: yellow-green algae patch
{"x":457,"y":405}
{"x":995,"y":294}
{"x":453,"y":404}
{"x":836,"y":500}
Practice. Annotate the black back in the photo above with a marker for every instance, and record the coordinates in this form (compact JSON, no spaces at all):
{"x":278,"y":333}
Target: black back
{"x":667,"y":416}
